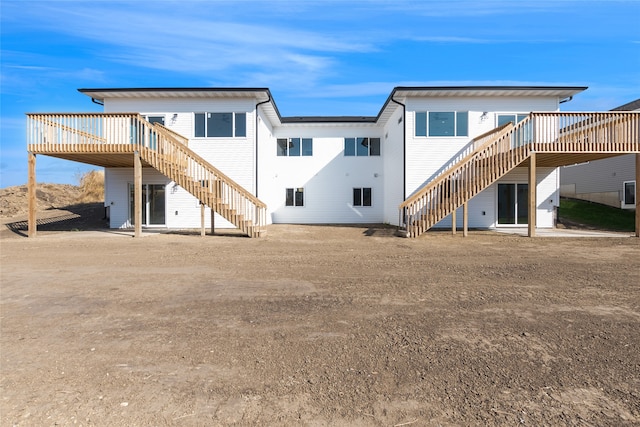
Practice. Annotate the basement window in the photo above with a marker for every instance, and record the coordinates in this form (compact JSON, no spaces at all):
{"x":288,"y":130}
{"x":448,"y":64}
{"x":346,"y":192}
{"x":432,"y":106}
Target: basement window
{"x":294,"y":197}
{"x":362,"y":196}
{"x":629,"y":194}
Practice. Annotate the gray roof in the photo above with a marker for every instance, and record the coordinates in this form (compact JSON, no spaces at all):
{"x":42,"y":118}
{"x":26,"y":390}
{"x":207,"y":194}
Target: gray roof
{"x":629,"y":106}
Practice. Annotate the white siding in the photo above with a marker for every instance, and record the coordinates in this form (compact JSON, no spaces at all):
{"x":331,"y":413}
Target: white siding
{"x":483,"y":209}
{"x":393,"y":173}
{"x":182,"y":210}
{"x":428,"y":156}
{"x":328,"y":177}
{"x":235,"y":157}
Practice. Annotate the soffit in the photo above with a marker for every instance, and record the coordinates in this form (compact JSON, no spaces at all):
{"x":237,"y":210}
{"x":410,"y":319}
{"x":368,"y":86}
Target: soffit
{"x":139,"y":93}
{"x":488,"y":91}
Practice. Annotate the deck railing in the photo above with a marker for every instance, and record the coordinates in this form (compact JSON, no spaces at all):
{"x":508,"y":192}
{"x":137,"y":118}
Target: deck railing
{"x":160,"y":147}
{"x":616,"y":132}
{"x":499,"y":151}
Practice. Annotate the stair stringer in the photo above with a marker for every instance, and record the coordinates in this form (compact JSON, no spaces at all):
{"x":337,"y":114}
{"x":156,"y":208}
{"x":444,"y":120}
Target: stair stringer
{"x":164,"y":151}
{"x":493,"y":158}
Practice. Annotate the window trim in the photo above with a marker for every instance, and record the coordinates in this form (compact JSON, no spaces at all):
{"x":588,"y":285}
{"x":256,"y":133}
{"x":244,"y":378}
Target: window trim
{"x":148,"y":118}
{"x":626,"y":205}
{"x":427,"y":129}
{"x":301,"y":146}
{"x":294,"y":192}
{"x":355,"y":146}
{"x":361,"y":203}
{"x":233,"y":124}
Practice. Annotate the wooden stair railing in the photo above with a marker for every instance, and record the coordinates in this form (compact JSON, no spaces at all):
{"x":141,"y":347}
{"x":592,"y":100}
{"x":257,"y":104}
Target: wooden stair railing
{"x":497,"y":152}
{"x":494,"y":154}
{"x":167,"y":152}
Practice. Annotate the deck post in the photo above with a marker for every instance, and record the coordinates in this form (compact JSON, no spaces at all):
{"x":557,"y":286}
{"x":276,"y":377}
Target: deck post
{"x":213,"y":221}
{"x":32,"y":199}
{"x":532,"y":195}
{"x":202,"y":227}
{"x":637,"y":194}
{"x":137,"y":193}
{"x":465,"y":220}
{"x":453,"y":222}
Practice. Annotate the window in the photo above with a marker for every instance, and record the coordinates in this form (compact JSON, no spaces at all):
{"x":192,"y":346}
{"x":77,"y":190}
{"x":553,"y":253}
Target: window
{"x":220,"y":125}
{"x":524,"y":135}
{"x":294,"y":197}
{"x":513,"y":118}
{"x":442,"y":123}
{"x":156,"y":119}
{"x":629,"y":193}
{"x":362,"y":146}
{"x":362,"y":196}
{"x":295,"y":147}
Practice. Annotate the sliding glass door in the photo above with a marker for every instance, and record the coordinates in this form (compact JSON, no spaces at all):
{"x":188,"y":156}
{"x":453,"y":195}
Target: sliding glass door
{"x":153,"y":204}
{"x":512,"y":204}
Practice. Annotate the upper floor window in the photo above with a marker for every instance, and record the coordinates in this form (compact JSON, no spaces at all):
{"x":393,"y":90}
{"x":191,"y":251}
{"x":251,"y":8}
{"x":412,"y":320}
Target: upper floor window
{"x":362,"y":146}
{"x":155,"y":119}
{"x":295,"y":147}
{"x":220,"y":125}
{"x":442,"y":123}
{"x":503,"y":119}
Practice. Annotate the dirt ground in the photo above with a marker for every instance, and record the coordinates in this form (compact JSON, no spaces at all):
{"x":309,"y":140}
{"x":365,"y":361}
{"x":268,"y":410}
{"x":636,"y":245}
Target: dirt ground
{"x":315,"y":326}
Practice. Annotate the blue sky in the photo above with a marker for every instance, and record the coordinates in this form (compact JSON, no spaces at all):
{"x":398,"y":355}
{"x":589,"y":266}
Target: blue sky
{"x":317,"y":57}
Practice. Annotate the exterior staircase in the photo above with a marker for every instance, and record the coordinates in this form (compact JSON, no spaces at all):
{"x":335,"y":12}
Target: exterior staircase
{"x":560,"y":138}
{"x":104,"y":139}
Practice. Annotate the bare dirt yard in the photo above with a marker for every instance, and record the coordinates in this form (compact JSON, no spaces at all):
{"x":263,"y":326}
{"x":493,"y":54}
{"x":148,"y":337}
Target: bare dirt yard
{"x":316,"y":326}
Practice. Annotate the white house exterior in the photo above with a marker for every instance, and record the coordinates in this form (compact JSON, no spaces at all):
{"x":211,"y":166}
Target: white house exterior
{"x":331,"y":170}
{"x":607,"y":181}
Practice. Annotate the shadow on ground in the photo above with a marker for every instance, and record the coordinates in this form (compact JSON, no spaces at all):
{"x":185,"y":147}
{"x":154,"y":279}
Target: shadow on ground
{"x":79,"y":217}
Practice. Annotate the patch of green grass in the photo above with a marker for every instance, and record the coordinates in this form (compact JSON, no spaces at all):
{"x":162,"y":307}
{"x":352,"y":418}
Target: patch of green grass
{"x":596,"y":215}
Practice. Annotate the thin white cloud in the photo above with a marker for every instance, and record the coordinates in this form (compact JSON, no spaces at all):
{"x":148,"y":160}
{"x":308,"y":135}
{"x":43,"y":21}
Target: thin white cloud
{"x":189,"y":44}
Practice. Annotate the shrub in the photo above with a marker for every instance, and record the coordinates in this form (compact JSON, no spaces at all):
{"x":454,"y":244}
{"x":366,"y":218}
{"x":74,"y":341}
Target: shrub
{"x":91,"y":187}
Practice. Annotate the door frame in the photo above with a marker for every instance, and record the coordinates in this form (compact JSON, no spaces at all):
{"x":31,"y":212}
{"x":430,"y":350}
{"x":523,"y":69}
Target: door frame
{"x":145,"y":208}
{"x":526,"y":205}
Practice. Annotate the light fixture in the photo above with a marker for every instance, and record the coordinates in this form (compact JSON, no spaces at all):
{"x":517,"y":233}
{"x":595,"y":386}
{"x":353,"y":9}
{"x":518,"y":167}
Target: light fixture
{"x":484,"y":116}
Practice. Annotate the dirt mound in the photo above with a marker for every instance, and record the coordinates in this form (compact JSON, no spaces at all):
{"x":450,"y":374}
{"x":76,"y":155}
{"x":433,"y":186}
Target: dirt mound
{"x":14,"y":200}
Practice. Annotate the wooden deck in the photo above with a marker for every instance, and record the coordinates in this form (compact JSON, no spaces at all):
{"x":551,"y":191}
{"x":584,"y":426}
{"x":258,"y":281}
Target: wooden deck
{"x":127,"y":140}
{"x":542,"y":139}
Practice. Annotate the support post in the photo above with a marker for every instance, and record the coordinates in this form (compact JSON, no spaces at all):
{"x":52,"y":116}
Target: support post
{"x":532,"y":195}
{"x":202,"y":227}
{"x":137,"y":193}
{"x":637,"y":194}
{"x":453,"y":222}
{"x":32,"y":199}
{"x":213,"y":221}
{"x":465,"y":220}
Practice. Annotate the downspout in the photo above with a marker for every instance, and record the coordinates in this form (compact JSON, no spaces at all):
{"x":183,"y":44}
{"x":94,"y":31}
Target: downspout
{"x":256,"y":132}
{"x":562,"y":101}
{"x":404,"y":154}
{"x":95,"y":101}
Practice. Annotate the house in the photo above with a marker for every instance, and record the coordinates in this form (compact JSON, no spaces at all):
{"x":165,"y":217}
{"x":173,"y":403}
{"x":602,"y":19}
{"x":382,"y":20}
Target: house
{"x":463,"y":156}
{"x":609,"y":181}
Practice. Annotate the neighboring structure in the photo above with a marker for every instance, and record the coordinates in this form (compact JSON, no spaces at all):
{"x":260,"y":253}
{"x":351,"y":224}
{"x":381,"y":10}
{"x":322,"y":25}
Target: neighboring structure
{"x":429,"y":152}
{"x":608,"y":181}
